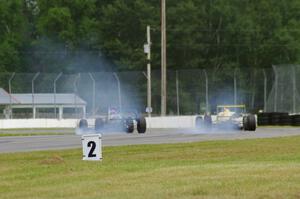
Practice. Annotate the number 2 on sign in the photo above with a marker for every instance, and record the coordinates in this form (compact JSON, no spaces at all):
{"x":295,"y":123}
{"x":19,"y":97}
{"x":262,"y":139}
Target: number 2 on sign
{"x":91,"y":144}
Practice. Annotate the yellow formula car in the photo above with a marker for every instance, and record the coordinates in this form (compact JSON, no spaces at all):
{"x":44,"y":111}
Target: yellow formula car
{"x":231,"y":116}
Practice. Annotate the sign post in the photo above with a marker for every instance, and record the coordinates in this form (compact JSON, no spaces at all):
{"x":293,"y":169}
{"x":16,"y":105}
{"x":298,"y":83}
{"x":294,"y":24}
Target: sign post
{"x":92,"y":147}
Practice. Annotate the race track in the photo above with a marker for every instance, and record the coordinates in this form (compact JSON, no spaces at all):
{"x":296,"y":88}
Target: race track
{"x":158,"y":136}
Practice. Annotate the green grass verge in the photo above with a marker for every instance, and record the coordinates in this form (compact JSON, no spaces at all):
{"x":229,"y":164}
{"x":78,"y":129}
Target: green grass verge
{"x":261,"y":168}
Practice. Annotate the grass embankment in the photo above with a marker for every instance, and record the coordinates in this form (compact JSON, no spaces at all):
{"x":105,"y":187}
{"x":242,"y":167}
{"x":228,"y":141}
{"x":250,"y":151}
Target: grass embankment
{"x":262,"y":168}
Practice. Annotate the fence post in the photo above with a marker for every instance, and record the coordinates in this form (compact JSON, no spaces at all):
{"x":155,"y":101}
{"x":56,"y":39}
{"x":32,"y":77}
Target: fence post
{"x":75,"y":94}
{"x":119,"y":91}
{"x":94,"y":94}
{"x":235,"y":87}
{"x":10,"y":100}
{"x":265,"y":90}
{"x":253,"y":89}
{"x":32,"y":90}
{"x":206,"y":92}
{"x":276,"y":87}
{"x":177,"y":93}
{"x":54,"y":90}
{"x":294,"y":88}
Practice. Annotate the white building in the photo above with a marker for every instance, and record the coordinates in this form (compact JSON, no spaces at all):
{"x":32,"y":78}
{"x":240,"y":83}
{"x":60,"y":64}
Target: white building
{"x":51,"y":103}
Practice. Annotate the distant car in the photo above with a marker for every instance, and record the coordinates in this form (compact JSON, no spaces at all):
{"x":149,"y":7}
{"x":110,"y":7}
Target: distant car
{"x":230,"y":116}
{"x":114,"y":121}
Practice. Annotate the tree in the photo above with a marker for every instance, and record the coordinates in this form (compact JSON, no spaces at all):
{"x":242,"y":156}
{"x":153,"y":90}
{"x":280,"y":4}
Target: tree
{"x":123,"y":29}
{"x":12,"y":35}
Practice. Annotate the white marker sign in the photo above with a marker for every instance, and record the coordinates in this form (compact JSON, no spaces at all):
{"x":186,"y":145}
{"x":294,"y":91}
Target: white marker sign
{"x":146,"y":48}
{"x":92,"y":147}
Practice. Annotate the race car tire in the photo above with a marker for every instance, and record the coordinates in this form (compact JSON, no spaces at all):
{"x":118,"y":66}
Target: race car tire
{"x":141,"y":125}
{"x":99,"y":123}
{"x":83,"y":124}
{"x":251,"y":123}
{"x":262,"y":122}
{"x":295,"y":120}
{"x":275,"y":119}
{"x":263,"y":119}
{"x":207,"y":121}
{"x":128,"y":125}
{"x":285,"y":119}
{"x":286,"y":122}
{"x":198,"y":122}
{"x":296,"y":123}
{"x":245,"y":123}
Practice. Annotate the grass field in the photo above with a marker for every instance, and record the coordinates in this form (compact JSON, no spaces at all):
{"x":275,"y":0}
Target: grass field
{"x":262,"y":168}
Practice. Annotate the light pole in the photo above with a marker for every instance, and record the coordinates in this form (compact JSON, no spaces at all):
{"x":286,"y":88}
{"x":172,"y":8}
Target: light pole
{"x":163,"y":60}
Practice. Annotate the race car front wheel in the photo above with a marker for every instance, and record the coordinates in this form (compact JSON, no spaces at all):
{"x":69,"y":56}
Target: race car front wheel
{"x":83,"y":124}
{"x":99,"y":123}
{"x":141,"y":125}
{"x":249,"y":123}
{"x":199,"y":122}
{"x":207,"y":121}
{"x":128,"y":125}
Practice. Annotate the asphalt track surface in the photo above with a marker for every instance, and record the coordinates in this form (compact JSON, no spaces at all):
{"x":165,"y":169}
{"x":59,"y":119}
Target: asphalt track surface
{"x":157,"y":136}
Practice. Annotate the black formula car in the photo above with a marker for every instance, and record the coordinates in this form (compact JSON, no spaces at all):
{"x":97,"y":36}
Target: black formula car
{"x":125,"y":122}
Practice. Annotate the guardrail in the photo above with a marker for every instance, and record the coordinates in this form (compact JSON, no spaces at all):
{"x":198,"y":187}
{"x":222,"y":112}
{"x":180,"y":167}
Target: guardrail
{"x":152,"y":122}
{"x":37,"y":123}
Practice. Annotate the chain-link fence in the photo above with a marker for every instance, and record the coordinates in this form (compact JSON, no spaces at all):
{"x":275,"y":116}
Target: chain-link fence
{"x":284,"y":95}
{"x":189,"y":91}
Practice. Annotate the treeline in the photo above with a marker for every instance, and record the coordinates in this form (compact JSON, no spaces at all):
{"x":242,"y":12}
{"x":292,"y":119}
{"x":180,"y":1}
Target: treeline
{"x":100,"y":35}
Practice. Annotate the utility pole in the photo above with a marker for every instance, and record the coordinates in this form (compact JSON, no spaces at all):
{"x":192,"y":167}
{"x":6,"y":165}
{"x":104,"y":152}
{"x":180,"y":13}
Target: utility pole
{"x":147,"y":50}
{"x":163,"y":60}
